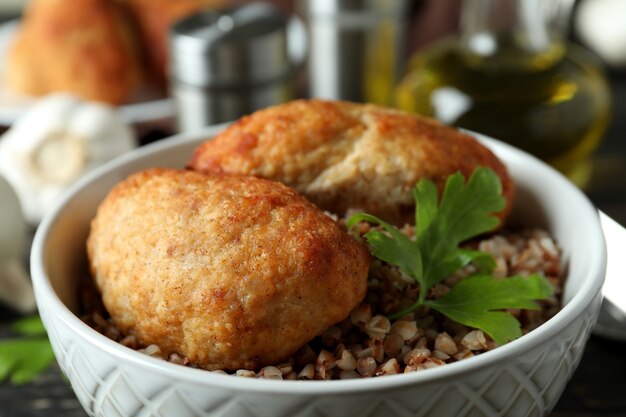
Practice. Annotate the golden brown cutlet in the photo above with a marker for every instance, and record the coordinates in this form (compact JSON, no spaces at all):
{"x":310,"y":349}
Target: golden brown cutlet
{"x":84,"y":47}
{"x":344,"y":155}
{"x":229,"y":271}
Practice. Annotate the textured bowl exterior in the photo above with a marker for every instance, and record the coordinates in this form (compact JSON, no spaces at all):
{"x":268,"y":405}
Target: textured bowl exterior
{"x":523,"y":378}
{"x":527,"y":385}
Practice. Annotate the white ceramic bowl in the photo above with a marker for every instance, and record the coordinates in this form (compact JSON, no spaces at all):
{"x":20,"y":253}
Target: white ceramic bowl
{"x":523,"y":378}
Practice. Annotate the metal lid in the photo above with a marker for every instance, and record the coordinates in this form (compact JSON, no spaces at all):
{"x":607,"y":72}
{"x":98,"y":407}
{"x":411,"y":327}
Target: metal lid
{"x":343,"y":8}
{"x":231,"y":47}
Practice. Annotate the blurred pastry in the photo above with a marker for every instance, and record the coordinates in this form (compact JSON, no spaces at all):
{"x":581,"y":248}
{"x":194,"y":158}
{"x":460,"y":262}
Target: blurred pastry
{"x":345,"y":156}
{"x":229,"y":271}
{"x":154,"y":18}
{"x":84,"y":47}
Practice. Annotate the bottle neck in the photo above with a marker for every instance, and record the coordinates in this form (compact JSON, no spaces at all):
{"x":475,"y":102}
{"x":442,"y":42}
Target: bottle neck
{"x":516,"y":35}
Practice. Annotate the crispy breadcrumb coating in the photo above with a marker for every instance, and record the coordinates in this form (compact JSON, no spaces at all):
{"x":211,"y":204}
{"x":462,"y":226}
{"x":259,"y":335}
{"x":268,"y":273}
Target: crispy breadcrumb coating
{"x":344,"y":155}
{"x":229,"y":271}
{"x":84,"y":47}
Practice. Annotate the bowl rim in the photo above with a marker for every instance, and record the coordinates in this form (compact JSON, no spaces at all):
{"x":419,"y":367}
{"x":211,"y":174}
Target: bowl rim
{"x":49,"y":302}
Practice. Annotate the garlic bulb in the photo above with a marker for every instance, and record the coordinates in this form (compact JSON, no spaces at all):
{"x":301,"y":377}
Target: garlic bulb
{"x":15,"y":287}
{"x":58,"y":140}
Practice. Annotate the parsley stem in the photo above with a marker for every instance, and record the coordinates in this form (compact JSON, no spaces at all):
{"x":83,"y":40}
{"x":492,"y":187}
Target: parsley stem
{"x":406,"y":310}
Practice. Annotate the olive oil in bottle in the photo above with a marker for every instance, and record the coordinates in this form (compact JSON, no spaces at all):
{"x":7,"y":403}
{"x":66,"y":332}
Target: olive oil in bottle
{"x":511,"y":75}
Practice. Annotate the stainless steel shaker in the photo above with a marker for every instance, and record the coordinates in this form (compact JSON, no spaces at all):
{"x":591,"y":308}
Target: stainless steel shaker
{"x":356,"y":47}
{"x":229,"y":62}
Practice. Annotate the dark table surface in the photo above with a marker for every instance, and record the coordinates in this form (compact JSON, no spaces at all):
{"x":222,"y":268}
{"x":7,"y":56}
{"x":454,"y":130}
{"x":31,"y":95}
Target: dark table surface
{"x":598,"y":387}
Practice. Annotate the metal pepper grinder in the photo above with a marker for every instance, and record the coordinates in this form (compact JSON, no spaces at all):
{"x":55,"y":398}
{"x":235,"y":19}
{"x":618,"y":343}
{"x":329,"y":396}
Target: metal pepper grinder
{"x":230,"y":62}
{"x":356,"y":47}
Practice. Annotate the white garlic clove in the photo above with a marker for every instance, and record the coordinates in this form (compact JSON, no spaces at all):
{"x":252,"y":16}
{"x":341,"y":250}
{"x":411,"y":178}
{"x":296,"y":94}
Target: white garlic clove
{"x":15,"y":287}
{"x":16,"y":290}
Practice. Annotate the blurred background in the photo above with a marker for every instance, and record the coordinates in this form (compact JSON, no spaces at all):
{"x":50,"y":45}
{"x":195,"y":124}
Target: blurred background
{"x":82,"y":82}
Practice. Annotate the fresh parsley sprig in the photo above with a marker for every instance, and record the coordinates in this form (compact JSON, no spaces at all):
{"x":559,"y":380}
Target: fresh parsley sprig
{"x":22,"y":359}
{"x":466,"y":210}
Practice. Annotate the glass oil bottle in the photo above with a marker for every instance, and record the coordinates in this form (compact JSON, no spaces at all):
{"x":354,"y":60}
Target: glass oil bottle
{"x":511,"y":74}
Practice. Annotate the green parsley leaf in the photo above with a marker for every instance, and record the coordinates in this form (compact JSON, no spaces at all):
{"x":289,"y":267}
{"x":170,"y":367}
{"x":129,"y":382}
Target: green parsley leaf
{"x":23,"y":359}
{"x":397,"y":250}
{"x":466,"y":210}
{"x":473,"y":300}
{"x":29,"y":326}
